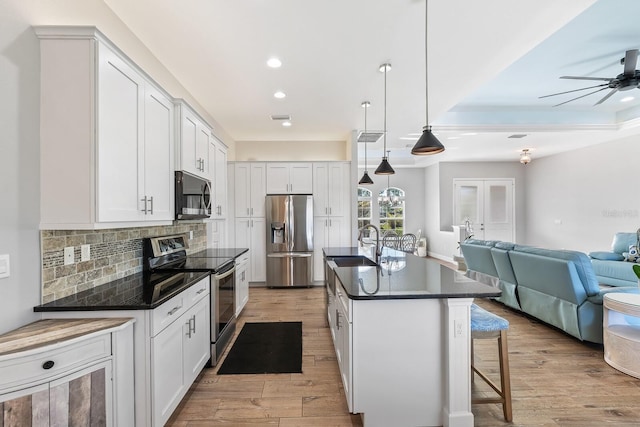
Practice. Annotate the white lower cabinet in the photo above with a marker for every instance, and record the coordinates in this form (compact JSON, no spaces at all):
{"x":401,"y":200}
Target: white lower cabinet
{"x":242,"y":282}
{"x":171,"y":346}
{"x":180,"y":350}
{"x":251,"y":233}
{"x":328,"y":232}
{"x":342,"y":336}
{"x":79,"y":380}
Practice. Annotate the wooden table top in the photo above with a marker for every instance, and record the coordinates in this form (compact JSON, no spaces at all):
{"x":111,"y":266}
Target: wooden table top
{"x":51,"y":331}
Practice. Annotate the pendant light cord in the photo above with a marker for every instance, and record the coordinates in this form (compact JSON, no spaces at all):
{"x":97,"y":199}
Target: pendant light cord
{"x":365,"y":137}
{"x":426,"y":62}
{"x":385,"y":108}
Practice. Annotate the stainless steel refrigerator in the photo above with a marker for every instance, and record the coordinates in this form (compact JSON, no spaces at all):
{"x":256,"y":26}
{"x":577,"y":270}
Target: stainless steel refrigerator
{"x":289,"y":240}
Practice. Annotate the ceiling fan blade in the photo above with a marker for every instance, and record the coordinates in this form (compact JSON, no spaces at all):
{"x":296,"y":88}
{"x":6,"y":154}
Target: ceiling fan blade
{"x":575,"y":90}
{"x":581,"y":96}
{"x":604,"y":79}
{"x":606,"y":97}
{"x":630,"y":62}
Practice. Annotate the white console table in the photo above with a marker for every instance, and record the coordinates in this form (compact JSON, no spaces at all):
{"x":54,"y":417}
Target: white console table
{"x":621,"y":332}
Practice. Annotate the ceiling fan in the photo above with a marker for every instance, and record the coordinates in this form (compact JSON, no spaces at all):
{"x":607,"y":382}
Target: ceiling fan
{"x":629,"y":79}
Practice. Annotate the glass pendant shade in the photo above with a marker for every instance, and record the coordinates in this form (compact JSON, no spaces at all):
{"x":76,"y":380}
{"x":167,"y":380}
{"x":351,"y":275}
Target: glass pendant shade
{"x":384,"y":168}
{"x":427,"y":144}
{"x":366,"y":179}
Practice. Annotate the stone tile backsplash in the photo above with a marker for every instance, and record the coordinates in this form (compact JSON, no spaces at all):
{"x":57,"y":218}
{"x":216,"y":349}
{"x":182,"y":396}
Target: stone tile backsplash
{"x":115,"y":253}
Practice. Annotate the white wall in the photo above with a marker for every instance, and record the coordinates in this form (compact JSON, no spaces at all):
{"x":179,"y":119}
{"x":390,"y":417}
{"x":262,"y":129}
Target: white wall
{"x":302,"y":151}
{"x":593,"y":192}
{"x":19,"y":163}
{"x":412,"y":182}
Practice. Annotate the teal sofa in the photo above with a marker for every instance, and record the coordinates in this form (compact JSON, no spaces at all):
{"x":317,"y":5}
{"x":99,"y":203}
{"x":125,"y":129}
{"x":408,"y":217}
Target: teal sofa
{"x":610,"y":267}
{"x":558,"y":287}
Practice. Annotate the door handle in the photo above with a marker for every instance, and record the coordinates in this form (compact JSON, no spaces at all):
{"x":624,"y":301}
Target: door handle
{"x":144,"y":201}
{"x":151,"y":203}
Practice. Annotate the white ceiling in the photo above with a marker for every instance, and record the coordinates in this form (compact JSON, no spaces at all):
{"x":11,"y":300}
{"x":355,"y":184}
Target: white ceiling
{"x":489,"y":61}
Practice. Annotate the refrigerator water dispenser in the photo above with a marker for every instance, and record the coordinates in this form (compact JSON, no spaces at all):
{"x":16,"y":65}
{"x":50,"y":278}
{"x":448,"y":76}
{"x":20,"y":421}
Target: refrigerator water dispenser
{"x":277,"y":232}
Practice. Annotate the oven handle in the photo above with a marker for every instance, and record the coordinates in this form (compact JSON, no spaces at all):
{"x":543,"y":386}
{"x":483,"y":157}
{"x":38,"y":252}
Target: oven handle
{"x":225,"y":274}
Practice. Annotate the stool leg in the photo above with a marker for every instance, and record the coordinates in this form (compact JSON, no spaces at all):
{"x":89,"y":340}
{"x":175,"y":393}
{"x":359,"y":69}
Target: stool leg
{"x":505,"y":376}
{"x":473,"y":376}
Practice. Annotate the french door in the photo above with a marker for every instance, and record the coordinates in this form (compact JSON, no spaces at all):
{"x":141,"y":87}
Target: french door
{"x":488,"y":205}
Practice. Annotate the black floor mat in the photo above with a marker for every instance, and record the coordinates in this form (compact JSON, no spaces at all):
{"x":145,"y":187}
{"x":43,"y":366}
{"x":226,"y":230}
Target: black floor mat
{"x":265,"y":348}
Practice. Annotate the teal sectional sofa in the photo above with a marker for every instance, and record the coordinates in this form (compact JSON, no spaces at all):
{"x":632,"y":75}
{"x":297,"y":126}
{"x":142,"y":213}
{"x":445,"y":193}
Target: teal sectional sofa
{"x":558,"y":287}
{"x":610,"y":267}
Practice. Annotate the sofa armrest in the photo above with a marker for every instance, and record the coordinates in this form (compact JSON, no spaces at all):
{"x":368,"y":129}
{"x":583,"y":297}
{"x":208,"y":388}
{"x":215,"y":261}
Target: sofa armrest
{"x":597,"y":299}
{"x":606,"y":256}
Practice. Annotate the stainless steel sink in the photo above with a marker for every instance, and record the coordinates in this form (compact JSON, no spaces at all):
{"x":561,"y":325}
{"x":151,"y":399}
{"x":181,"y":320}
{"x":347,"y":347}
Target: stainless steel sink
{"x":353,"y":261}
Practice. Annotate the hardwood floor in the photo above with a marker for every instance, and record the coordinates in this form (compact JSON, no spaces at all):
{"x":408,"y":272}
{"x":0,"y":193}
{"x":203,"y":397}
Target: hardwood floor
{"x":556,"y":380}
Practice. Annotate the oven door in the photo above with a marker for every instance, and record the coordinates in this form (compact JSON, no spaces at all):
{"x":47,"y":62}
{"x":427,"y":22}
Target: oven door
{"x":223,"y":309}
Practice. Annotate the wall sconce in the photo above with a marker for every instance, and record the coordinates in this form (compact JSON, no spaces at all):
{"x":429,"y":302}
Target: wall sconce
{"x":525,"y":157}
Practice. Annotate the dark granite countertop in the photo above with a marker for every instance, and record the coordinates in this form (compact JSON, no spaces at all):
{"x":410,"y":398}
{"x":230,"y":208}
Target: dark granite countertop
{"x":405,"y":276}
{"x":219,"y":253}
{"x":136,"y":292}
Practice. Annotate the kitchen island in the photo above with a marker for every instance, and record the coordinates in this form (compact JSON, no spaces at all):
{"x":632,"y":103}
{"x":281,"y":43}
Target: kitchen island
{"x":402,"y":336}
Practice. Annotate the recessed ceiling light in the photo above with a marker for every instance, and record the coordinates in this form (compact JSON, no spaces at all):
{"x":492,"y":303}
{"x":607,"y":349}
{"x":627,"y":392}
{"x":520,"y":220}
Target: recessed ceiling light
{"x":286,"y":124}
{"x":279,"y":94}
{"x":627,"y":99}
{"x":469,"y":134}
{"x":274,"y":63}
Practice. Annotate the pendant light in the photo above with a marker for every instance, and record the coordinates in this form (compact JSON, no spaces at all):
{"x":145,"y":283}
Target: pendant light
{"x":385,"y":168}
{"x":525,"y":157}
{"x":366,"y":179}
{"x":428,"y":143}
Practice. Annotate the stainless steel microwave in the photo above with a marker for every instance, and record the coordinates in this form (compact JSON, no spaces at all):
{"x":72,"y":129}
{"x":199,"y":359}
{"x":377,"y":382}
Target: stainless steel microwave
{"x":193,"y":196}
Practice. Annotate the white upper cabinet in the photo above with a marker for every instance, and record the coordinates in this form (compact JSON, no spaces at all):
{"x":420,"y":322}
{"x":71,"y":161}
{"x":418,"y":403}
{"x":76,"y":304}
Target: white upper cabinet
{"x":331,"y":188}
{"x":106,"y":136}
{"x":194,"y":138}
{"x":218,"y":158}
{"x":250,"y":189}
{"x":289,"y":178}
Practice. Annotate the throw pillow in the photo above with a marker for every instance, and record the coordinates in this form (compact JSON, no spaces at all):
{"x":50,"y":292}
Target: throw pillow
{"x":606,"y":256}
{"x":633,"y":255}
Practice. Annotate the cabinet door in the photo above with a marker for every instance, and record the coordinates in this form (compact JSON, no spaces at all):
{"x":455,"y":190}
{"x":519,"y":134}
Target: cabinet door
{"x":26,"y":406}
{"x":278,"y":178}
{"x":338,"y":189}
{"x":167,"y":380}
{"x":338,"y":233}
{"x":301,"y":178}
{"x":242,"y":286}
{"x":203,"y":138}
{"x":320,"y":194}
{"x":258,"y":250}
{"x":197,"y":347}
{"x":158,"y":158}
{"x":344,"y":343}
{"x":320,"y":226}
{"x":120,"y":139}
{"x":188,"y":138}
{"x":242,"y":196}
{"x":220,"y":181}
{"x":258,"y":189}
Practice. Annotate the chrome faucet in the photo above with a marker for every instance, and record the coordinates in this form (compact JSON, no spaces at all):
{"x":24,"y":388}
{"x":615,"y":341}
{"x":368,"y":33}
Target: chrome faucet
{"x":378,"y":251}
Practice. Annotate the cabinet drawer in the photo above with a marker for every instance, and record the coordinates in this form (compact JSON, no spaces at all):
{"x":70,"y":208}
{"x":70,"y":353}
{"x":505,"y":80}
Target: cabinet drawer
{"x":165,"y":315}
{"x":25,"y":370}
{"x":196,"y":292}
{"x":242,"y":259}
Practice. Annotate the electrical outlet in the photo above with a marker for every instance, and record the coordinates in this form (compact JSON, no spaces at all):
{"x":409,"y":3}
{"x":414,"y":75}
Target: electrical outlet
{"x":85,"y":252}
{"x":190,"y":234}
{"x":68,"y":255}
{"x":458,"y":329}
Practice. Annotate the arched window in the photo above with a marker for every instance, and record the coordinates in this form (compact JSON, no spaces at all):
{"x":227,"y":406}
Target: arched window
{"x":391,"y":203}
{"x":364,"y":208}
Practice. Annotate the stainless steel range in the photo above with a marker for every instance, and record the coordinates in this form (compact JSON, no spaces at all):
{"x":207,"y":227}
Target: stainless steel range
{"x":168,"y":253}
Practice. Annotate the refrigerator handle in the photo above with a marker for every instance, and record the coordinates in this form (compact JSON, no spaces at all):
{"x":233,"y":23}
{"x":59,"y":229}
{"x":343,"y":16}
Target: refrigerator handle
{"x":290,"y":226}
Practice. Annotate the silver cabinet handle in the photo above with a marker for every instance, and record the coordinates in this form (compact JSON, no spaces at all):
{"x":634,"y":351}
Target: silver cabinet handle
{"x":325,"y":210}
{"x":192,"y":321}
{"x":337,"y":319}
{"x":251,"y":211}
{"x":201,"y":291}
{"x":144,"y":201}
{"x":188,"y":323}
{"x":329,"y":210}
{"x":151,"y":203}
{"x":174,"y":309}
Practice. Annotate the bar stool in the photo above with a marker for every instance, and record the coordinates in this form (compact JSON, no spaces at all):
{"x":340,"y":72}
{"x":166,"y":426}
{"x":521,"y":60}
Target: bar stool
{"x":486,"y":325}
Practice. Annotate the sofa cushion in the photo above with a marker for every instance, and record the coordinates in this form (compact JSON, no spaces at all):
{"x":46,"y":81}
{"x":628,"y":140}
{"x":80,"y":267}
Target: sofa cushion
{"x":606,"y":256}
{"x":622,"y":241}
